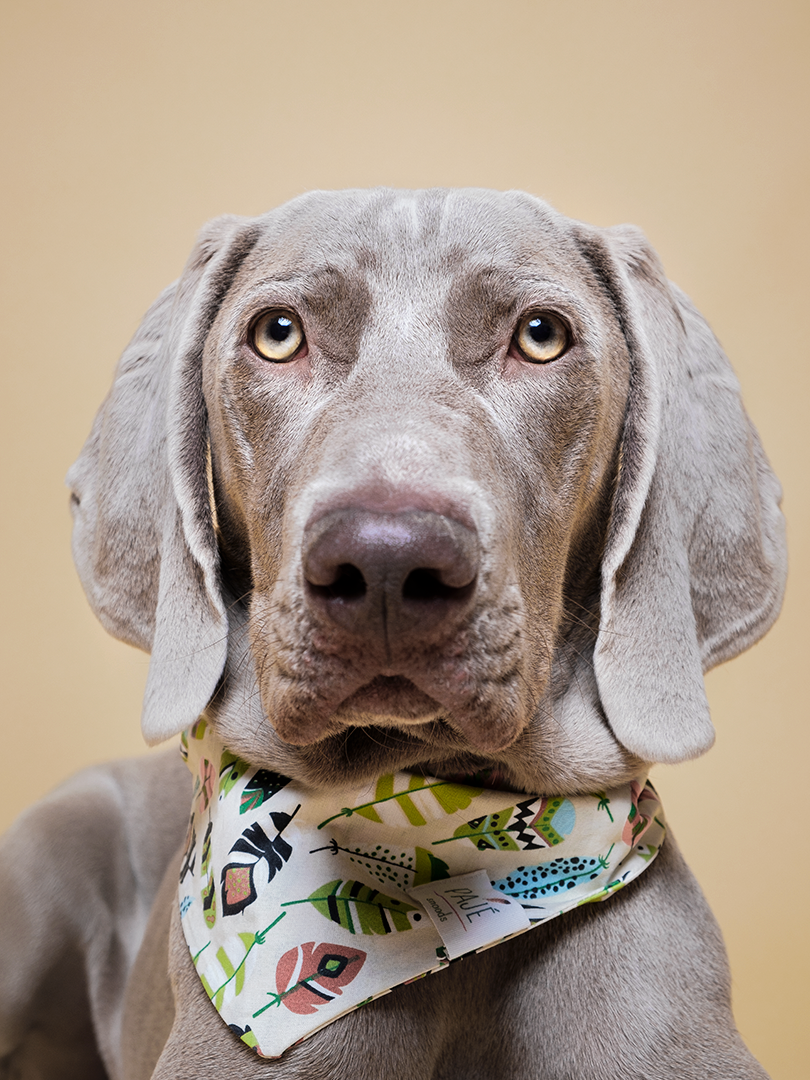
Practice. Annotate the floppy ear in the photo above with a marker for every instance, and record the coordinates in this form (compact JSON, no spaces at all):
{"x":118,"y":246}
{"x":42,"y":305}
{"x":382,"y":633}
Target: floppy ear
{"x":143,"y":536}
{"x":694,"y":565}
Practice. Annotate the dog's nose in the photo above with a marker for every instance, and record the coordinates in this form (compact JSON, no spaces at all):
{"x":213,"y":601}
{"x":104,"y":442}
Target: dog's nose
{"x":383,"y":575}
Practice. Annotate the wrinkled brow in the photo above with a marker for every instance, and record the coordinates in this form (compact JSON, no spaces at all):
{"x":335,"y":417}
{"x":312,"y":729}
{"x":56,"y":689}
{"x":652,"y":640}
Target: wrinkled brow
{"x":339,"y":304}
{"x":334,"y":302}
{"x":479,"y":303}
{"x":484,"y":303}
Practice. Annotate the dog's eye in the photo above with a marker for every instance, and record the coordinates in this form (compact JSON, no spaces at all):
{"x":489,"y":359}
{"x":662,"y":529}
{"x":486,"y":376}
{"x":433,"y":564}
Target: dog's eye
{"x":541,"y":337}
{"x":277,"y":336}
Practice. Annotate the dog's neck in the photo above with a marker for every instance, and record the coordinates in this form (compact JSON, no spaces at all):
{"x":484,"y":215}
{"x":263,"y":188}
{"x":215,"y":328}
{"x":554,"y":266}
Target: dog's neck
{"x":330,"y":895}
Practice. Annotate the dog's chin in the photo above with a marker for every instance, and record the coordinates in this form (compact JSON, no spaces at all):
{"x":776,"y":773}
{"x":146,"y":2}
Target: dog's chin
{"x":394,"y":702}
{"x":388,"y":700}
{"x":386,"y":724}
{"x":361,"y":753}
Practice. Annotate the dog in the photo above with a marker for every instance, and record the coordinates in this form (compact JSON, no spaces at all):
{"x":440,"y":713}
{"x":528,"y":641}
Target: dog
{"x":438,"y":481}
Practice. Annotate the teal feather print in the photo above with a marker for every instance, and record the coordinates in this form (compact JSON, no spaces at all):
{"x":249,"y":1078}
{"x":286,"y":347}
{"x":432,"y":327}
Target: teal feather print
{"x":360,"y":909}
{"x":552,"y":878}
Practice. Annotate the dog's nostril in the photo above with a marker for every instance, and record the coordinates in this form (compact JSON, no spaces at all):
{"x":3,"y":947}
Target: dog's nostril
{"x":349,"y":584}
{"x":381,"y":574}
{"x":425,"y":585}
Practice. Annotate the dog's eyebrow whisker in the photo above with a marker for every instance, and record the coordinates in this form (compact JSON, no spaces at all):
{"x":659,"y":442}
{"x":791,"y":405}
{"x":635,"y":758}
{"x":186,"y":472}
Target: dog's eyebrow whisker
{"x":570,"y":616}
{"x":595,"y":626}
{"x":584,"y":607}
{"x":239,"y":600}
{"x":569,"y":648}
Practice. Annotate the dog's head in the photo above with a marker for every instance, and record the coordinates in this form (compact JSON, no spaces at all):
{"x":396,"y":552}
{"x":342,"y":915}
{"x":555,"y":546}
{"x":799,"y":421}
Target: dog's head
{"x":390,"y":479}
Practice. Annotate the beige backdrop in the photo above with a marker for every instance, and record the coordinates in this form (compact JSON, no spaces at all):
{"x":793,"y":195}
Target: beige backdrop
{"x":128,"y":124}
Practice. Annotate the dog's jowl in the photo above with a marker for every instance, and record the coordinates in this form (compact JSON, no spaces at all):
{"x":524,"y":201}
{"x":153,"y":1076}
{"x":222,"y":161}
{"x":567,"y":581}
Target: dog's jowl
{"x":432,"y":508}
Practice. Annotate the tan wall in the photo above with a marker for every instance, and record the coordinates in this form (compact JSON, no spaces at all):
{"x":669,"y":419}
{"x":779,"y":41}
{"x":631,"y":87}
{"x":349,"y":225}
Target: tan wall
{"x":128,"y":124}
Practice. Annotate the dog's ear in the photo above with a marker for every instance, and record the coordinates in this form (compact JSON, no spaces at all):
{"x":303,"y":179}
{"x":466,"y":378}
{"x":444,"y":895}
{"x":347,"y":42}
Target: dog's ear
{"x":143,"y":536}
{"x":694,"y":565}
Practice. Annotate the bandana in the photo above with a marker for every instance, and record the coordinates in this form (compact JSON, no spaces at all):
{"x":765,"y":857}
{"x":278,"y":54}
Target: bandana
{"x":299,"y":905}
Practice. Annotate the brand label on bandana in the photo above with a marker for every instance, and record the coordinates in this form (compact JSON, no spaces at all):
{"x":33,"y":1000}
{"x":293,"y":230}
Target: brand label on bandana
{"x":300,"y":905}
{"x":469,"y":913}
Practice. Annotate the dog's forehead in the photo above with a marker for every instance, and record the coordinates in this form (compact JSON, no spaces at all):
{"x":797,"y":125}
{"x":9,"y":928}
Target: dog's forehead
{"x":389,"y":234}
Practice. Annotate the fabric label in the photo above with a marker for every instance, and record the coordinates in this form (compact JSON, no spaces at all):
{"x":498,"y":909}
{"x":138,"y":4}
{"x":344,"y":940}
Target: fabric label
{"x":469,"y":912}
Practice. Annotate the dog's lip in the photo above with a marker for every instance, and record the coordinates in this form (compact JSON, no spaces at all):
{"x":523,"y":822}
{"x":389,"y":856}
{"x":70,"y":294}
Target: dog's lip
{"x":392,"y":700}
{"x":392,"y":696}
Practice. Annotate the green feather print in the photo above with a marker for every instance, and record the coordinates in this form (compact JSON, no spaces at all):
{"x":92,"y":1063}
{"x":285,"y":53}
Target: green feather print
{"x":360,"y":909}
{"x":449,"y":796}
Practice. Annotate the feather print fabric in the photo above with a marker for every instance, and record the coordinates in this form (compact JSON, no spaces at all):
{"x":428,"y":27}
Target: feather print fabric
{"x":295,"y":904}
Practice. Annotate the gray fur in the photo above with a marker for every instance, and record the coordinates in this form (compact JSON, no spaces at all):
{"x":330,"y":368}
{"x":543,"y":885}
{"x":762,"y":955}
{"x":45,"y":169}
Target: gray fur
{"x":630,"y":538}
{"x":79,"y":872}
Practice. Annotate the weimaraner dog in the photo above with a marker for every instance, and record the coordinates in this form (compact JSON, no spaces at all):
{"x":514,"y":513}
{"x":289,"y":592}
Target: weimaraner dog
{"x":438,"y":481}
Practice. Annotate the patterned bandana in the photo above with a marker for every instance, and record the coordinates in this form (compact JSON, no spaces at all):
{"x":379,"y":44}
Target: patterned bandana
{"x":298,"y":905}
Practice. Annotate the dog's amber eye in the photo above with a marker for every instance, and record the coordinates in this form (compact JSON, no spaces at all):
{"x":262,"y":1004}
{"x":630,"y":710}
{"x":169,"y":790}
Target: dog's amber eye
{"x":541,"y":337}
{"x":277,"y":336}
